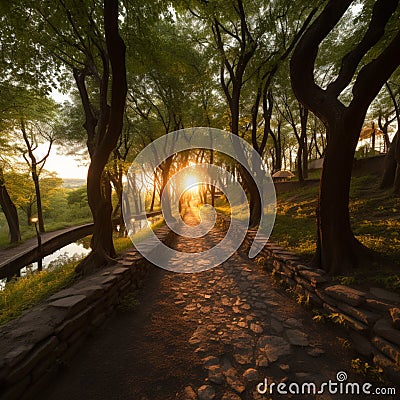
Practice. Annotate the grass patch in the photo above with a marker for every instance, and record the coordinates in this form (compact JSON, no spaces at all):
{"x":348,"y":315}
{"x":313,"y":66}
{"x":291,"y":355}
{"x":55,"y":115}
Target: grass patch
{"x":143,"y":233}
{"x":28,"y":232}
{"x":375,"y":222}
{"x":129,"y":302}
{"x":374,"y":217}
{"x":122,"y":244}
{"x":25,"y":292}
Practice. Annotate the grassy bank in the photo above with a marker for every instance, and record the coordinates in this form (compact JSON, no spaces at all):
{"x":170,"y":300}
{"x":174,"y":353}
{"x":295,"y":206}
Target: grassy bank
{"x":25,"y":292}
{"x":28,"y":232}
{"x":375,"y":221}
{"x":29,"y":290}
{"x":374,"y":216}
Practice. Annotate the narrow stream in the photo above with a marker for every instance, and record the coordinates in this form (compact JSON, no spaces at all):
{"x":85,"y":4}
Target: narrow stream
{"x":66,"y":253}
{"x":69,"y":251}
{"x":77,"y":250}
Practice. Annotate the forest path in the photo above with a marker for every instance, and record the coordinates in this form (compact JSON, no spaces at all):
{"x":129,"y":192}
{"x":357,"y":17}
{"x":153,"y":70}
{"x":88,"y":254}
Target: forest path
{"x":213,"y":334}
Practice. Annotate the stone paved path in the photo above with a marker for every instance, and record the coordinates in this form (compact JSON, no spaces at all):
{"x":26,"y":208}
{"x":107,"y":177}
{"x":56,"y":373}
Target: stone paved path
{"x":209,"y":335}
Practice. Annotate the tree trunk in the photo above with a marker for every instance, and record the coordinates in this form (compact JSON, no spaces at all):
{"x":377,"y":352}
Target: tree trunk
{"x":35,"y":179}
{"x":254,"y":197}
{"x":338,"y":250}
{"x":153,"y":195}
{"x":10,"y":211}
{"x":254,"y":115}
{"x":212,"y":188}
{"x":396,"y":183}
{"x":164,"y":195}
{"x":102,"y":245}
{"x":305,"y":158}
{"x":33,"y":164}
{"x":29,"y":214}
{"x":116,"y":179}
{"x":303,"y":140}
{"x":278,"y":147}
{"x":373,"y":138}
{"x":299,"y":163}
{"x":318,"y":153}
{"x":390,"y":165}
{"x":391,"y":174}
{"x":102,"y":242}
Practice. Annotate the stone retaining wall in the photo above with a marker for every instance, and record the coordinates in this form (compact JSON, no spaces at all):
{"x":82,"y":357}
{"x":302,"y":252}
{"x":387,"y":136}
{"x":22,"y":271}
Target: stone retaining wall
{"x":373,"y":316}
{"x":35,"y":346}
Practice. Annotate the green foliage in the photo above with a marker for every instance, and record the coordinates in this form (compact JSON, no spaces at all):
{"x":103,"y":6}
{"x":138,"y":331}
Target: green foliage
{"x":367,"y":371}
{"x":25,"y":292}
{"x":389,"y":281}
{"x":347,"y":280}
{"x":298,"y":295}
{"x":22,"y":190}
{"x":129,"y":302}
{"x":260,"y":260}
{"x":77,"y":196}
{"x":345,"y":343}
{"x":336,"y":318}
{"x":122,"y":244}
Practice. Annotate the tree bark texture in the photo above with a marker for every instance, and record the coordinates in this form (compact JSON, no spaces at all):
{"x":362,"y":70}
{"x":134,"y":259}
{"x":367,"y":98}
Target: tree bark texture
{"x":338,"y":251}
{"x":10,"y":211}
{"x":108,"y":131}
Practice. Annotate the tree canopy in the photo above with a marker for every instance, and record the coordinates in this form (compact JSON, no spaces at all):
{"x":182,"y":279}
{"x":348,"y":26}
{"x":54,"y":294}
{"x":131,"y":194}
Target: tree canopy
{"x":297,"y":80}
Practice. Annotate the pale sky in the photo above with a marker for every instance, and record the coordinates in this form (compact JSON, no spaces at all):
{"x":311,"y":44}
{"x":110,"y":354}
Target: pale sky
{"x":65,"y":166}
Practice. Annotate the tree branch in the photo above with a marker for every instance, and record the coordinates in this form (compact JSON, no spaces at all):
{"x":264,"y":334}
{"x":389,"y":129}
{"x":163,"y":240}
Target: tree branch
{"x":382,"y":11}
{"x":304,"y":56}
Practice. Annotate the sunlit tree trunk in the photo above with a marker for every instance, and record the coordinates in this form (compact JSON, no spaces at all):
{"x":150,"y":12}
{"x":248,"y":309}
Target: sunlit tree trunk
{"x":9,"y":210}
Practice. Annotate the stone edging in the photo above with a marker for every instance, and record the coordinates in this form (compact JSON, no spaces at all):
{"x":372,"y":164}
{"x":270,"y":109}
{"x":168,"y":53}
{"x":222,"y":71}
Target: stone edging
{"x":372,"y":317}
{"x":44,"y":339}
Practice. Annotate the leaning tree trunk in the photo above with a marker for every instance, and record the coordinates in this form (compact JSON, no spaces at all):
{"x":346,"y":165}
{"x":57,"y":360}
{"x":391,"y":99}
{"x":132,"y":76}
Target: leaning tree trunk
{"x":102,"y":245}
{"x":338,"y":249}
{"x":10,"y":212}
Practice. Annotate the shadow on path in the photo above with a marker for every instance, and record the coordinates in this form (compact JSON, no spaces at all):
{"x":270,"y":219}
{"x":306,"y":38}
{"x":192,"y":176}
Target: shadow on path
{"x":217,"y":332}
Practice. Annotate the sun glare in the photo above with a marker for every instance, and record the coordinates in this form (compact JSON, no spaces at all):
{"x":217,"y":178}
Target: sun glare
{"x":190,"y":181}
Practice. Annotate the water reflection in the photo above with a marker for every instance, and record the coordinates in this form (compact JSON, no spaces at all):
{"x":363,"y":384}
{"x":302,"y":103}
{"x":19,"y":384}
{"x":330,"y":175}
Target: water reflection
{"x":75,"y":250}
{"x":71,"y":250}
{"x":136,"y":225}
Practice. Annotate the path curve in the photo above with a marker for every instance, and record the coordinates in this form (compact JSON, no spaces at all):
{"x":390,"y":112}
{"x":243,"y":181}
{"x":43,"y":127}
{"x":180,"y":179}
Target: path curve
{"x":213,"y":334}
